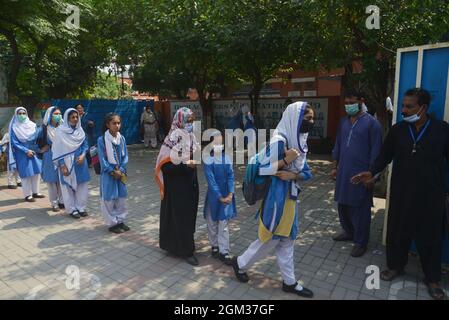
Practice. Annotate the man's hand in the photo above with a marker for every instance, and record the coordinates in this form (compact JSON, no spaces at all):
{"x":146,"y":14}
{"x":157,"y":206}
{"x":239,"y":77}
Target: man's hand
{"x":80,"y":159}
{"x":30,"y":153}
{"x":64,"y":170}
{"x":291,"y":155}
{"x":286,"y":175}
{"x":363,"y":177}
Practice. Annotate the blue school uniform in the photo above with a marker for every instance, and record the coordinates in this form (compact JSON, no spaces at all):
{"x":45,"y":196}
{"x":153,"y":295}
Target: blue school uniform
{"x":110,"y":188}
{"x":81,"y":170}
{"x":280,"y":202}
{"x":49,"y":170}
{"x":220,"y":179}
{"x":26,"y":166}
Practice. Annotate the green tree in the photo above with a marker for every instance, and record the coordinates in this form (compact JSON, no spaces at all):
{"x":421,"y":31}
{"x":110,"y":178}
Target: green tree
{"x":338,"y":37}
{"x":44,"y":55}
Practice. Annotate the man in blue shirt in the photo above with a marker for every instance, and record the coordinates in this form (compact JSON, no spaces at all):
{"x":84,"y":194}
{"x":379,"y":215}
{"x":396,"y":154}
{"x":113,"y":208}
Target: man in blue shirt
{"x":358,"y":143}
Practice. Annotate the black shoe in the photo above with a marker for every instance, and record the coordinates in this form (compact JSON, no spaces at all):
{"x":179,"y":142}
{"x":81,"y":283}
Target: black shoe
{"x":38,"y":195}
{"x":358,"y":251}
{"x":75,"y":215}
{"x":192,"y":260}
{"x":305,"y":293}
{"x":226,"y":259}
{"x":124,"y":227}
{"x":342,"y":237}
{"x":55,"y":209}
{"x":19,"y":184}
{"x":83,"y":214}
{"x":61,"y":206}
{"x":242,"y":277}
{"x":11,"y":187}
{"x":30,"y":199}
{"x":215,"y":253}
{"x":116,"y":229}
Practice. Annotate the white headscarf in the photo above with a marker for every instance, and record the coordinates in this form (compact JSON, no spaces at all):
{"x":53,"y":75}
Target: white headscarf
{"x":288,"y":131}
{"x":24,"y":131}
{"x":109,"y":140}
{"x":51,"y":130}
{"x":66,"y":142}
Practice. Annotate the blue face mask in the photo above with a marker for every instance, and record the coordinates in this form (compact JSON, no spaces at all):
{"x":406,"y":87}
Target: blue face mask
{"x":352,"y":109}
{"x":413,"y":118}
{"x":189,"y":127}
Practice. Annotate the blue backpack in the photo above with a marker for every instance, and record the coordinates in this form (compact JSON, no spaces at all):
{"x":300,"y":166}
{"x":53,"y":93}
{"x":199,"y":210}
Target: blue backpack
{"x":254,"y":187}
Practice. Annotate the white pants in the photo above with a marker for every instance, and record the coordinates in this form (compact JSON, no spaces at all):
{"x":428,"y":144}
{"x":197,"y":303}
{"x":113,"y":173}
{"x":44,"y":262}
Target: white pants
{"x":75,"y":200}
{"x":13,"y":177}
{"x":54,"y":194}
{"x":284,"y":252}
{"x":114,"y":211}
{"x":30,"y":185}
{"x":218,"y":232}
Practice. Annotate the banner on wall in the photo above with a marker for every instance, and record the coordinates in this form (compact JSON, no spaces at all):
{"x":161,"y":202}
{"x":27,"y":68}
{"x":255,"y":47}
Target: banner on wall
{"x":270,"y":113}
{"x":192,"y":105}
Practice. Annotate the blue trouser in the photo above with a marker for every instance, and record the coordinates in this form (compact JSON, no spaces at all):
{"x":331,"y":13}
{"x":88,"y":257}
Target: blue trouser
{"x":356,"y":221}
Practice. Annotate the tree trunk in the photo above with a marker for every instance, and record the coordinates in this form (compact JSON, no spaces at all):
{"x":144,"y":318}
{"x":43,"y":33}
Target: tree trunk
{"x":204,"y":106}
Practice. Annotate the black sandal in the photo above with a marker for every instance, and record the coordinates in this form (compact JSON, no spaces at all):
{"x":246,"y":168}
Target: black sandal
{"x":390,"y":275}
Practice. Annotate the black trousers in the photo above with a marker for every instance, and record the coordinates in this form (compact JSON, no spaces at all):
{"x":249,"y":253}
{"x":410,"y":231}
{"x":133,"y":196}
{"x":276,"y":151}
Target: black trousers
{"x":429,"y":255}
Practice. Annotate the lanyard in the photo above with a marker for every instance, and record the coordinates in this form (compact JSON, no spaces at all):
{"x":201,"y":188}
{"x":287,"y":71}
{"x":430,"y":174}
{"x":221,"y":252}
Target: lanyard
{"x":416,"y":140}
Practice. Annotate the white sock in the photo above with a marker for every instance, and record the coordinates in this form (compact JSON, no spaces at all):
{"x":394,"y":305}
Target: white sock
{"x":298,"y":287}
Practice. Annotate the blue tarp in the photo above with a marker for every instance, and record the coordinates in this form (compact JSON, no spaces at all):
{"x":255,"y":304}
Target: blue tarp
{"x":129,"y":111}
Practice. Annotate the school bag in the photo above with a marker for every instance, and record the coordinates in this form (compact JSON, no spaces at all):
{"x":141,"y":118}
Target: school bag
{"x":95,"y":159}
{"x":255,"y":187}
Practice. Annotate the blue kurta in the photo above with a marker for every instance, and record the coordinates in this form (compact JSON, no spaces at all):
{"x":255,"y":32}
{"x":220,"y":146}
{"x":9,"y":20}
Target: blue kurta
{"x":81,"y":170}
{"x":49,"y":170}
{"x":110,"y":188}
{"x":27,"y":167}
{"x":220,"y":180}
{"x":278,"y":193}
{"x":356,"y":148}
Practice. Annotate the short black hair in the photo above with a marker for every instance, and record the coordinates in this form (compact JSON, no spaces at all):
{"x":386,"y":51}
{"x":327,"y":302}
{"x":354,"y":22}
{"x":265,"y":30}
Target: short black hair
{"x":423,"y":96}
{"x":352,"y":92}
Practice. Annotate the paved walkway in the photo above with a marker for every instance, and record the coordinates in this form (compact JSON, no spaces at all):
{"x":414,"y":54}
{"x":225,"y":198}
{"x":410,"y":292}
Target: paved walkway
{"x":43,"y":253}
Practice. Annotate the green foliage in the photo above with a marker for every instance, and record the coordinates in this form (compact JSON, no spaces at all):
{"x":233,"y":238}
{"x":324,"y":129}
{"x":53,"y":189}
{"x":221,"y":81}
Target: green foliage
{"x":172,"y":45}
